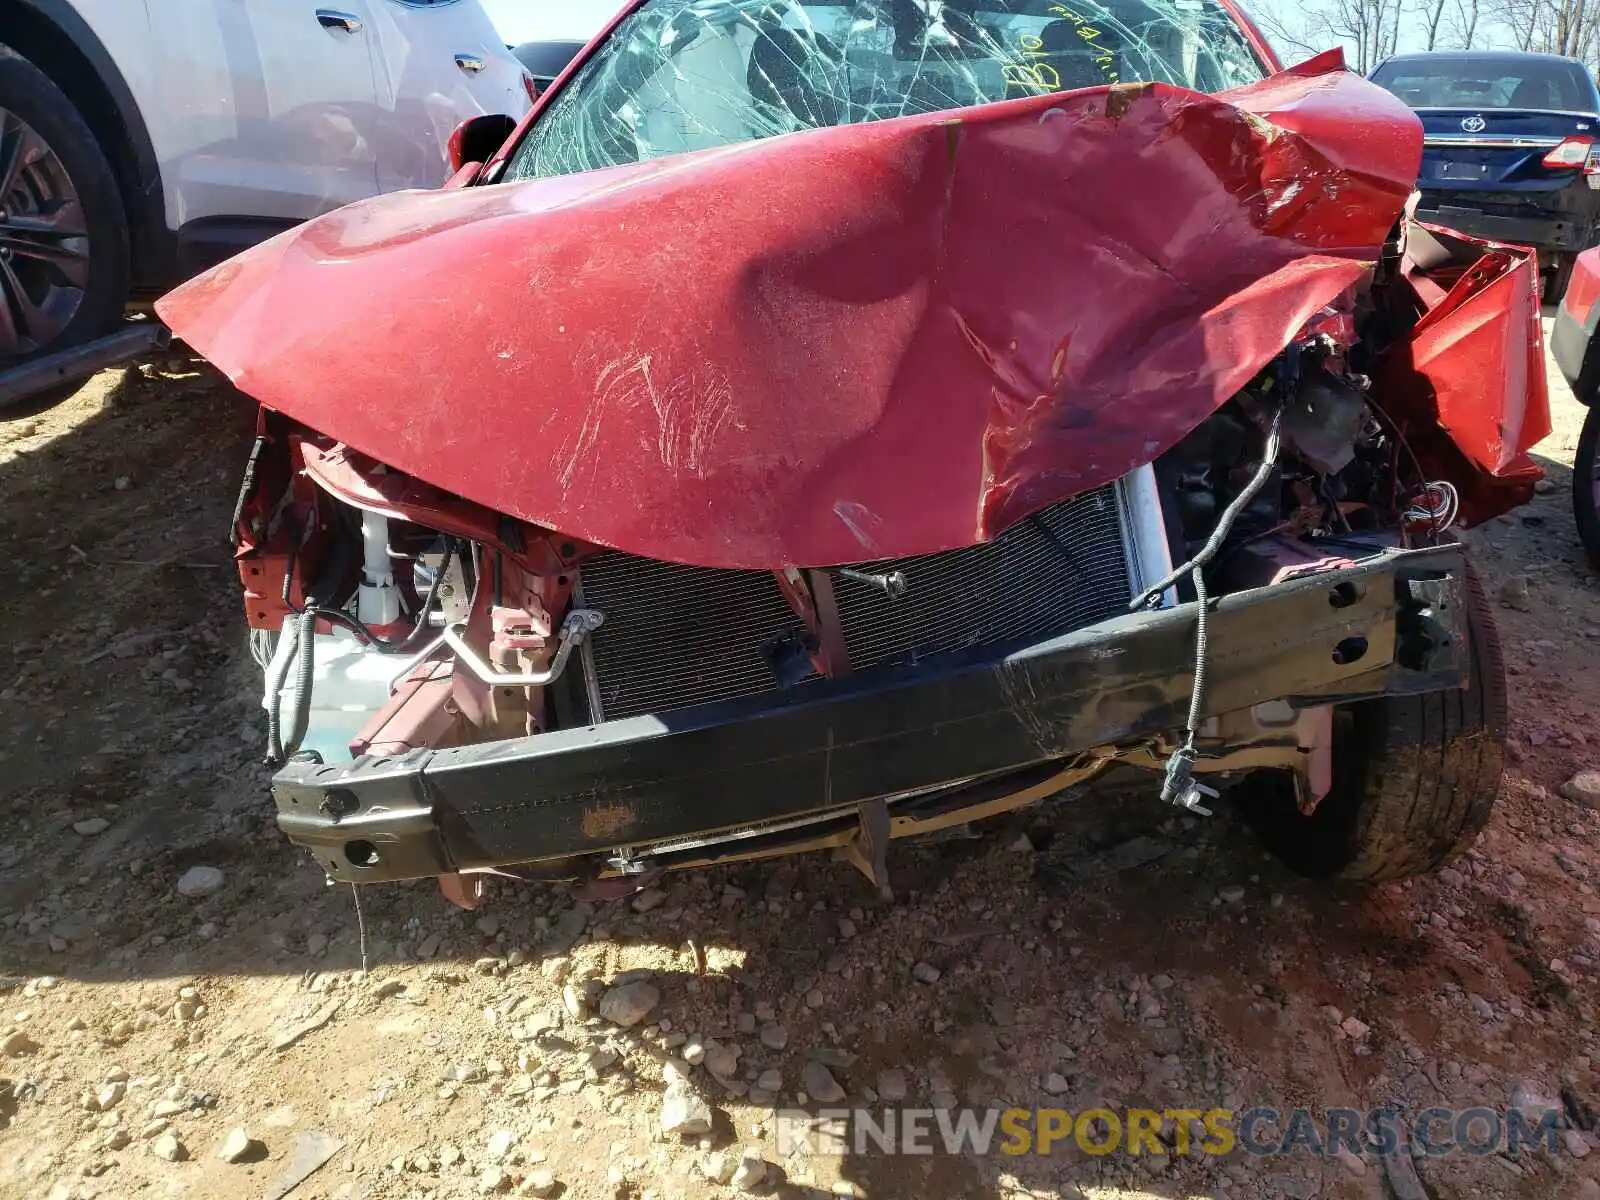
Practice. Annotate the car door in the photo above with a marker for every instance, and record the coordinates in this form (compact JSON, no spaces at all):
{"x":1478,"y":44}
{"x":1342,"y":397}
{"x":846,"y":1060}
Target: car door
{"x":268,"y":111}
{"x":439,"y":62}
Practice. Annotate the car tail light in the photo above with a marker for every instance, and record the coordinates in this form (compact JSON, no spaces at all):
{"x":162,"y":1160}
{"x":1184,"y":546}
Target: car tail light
{"x":1572,"y":152}
{"x":531,"y":86}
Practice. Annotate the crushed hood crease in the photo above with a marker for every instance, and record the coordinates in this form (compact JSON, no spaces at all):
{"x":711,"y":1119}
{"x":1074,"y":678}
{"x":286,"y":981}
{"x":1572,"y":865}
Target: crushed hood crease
{"x":851,"y":343}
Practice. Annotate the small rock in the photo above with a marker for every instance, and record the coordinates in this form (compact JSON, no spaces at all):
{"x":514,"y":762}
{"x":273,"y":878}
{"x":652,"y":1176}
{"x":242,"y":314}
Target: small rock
{"x":598,"y":1061}
{"x":316,"y":943}
{"x":238,"y":1146}
{"x":925,"y":973}
{"x":493,"y":1180}
{"x":488,"y":925}
{"x":722,"y":1061}
{"x":168,"y":1147}
{"x":770,"y":1080}
{"x":91,"y":827}
{"x":199,"y":882}
{"x":1577,"y":1145}
{"x":630,"y":1003}
{"x":541,"y":1181}
{"x":1022,"y":845}
{"x":1350,"y":1162}
{"x":500,"y":1143}
{"x":648,"y":900}
{"x":833,"y":1056}
{"x":1544,"y":487}
{"x":580,"y":997}
{"x":16,"y":1043}
{"x":684,"y":1111}
{"x":1533,"y":1099}
{"x":752,"y":1169}
{"x":818,"y":1083}
{"x":774,"y":1036}
{"x":1355,"y":1030}
{"x":892,"y":1085}
{"x":1231,"y":894}
{"x":1481,"y":1006}
{"x":718,"y":1167}
{"x":291,"y":1036}
{"x":1055,"y":1084}
{"x":694,"y":1050}
{"x":1587,"y":1189}
{"x":1583,"y":788}
{"x":1513,"y":593}
{"x":110,"y":1096}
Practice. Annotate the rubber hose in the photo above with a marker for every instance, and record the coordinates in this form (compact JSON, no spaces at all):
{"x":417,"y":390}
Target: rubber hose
{"x":302,"y":694}
{"x":277,"y":672}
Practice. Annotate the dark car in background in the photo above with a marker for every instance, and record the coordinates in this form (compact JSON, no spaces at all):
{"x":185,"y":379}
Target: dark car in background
{"x":1509,"y":148}
{"x":544,"y":60}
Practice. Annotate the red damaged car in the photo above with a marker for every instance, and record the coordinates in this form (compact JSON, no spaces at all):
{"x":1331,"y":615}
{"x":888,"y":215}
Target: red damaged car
{"x":820,"y":423}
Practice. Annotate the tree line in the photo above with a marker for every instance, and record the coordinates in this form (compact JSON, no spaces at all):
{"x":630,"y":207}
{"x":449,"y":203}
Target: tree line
{"x":1371,"y":30}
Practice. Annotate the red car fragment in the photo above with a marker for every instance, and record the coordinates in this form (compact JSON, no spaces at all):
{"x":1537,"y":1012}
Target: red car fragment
{"x":1468,"y":382}
{"x":866,"y":341}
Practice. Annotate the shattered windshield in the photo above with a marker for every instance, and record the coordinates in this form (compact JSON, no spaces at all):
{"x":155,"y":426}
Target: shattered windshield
{"x":681,"y":75}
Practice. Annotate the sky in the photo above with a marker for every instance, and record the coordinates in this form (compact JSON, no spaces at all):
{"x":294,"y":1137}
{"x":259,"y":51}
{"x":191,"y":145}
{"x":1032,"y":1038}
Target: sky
{"x":534,"y":20}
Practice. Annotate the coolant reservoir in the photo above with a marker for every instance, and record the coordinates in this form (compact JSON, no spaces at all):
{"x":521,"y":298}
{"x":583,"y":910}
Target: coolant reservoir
{"x":350,"y":682}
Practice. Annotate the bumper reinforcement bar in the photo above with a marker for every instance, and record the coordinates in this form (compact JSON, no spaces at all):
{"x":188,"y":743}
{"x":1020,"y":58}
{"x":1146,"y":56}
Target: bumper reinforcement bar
{"x":1391,"y":624}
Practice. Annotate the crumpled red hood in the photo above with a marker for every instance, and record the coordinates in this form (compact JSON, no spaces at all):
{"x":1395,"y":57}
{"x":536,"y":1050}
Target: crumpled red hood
{"x":869,"y":341}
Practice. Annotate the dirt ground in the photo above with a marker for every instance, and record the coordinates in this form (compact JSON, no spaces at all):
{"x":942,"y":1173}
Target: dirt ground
{"x":1119,"y":956}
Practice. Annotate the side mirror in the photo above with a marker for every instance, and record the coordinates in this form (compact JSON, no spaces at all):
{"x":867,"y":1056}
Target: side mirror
{"x":477,"y":138}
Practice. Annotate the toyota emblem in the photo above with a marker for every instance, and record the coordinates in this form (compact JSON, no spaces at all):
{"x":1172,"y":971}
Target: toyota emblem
{"x":1473,"y":124}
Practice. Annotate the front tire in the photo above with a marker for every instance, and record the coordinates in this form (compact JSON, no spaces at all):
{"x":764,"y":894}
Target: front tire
{"x":1415,"y":777}
{"x":64,"y":257}
{"x":1586,"y":486}
{"x":1555,"y":283}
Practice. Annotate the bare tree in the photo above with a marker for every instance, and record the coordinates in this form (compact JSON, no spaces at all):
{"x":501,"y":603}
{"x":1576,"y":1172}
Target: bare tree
{"x":1371,"y":27}
{"x":1432,"y":11}
{"x":1291,"y":37}
{"x":1568,"y":26}
{"x":1463,"y":24}
{"x":1528,"y":22}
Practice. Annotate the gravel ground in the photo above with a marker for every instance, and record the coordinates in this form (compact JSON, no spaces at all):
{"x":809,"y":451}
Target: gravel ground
{"x":184,"y":1009}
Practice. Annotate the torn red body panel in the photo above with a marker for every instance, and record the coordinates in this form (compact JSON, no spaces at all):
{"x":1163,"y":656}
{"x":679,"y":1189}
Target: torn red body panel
{"x":850,"y":343}
{"x":1469,"y":380}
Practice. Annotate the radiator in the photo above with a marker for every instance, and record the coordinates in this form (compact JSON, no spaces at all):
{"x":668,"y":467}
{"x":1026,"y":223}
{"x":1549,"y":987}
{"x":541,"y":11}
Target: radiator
{"x":675,"y":636}
{"x":1061,"y":569}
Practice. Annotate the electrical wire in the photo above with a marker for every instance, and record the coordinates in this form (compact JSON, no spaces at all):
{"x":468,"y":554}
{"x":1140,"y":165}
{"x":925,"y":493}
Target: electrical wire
{"x":1179,"y":787}
{"x":301,"y":652}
